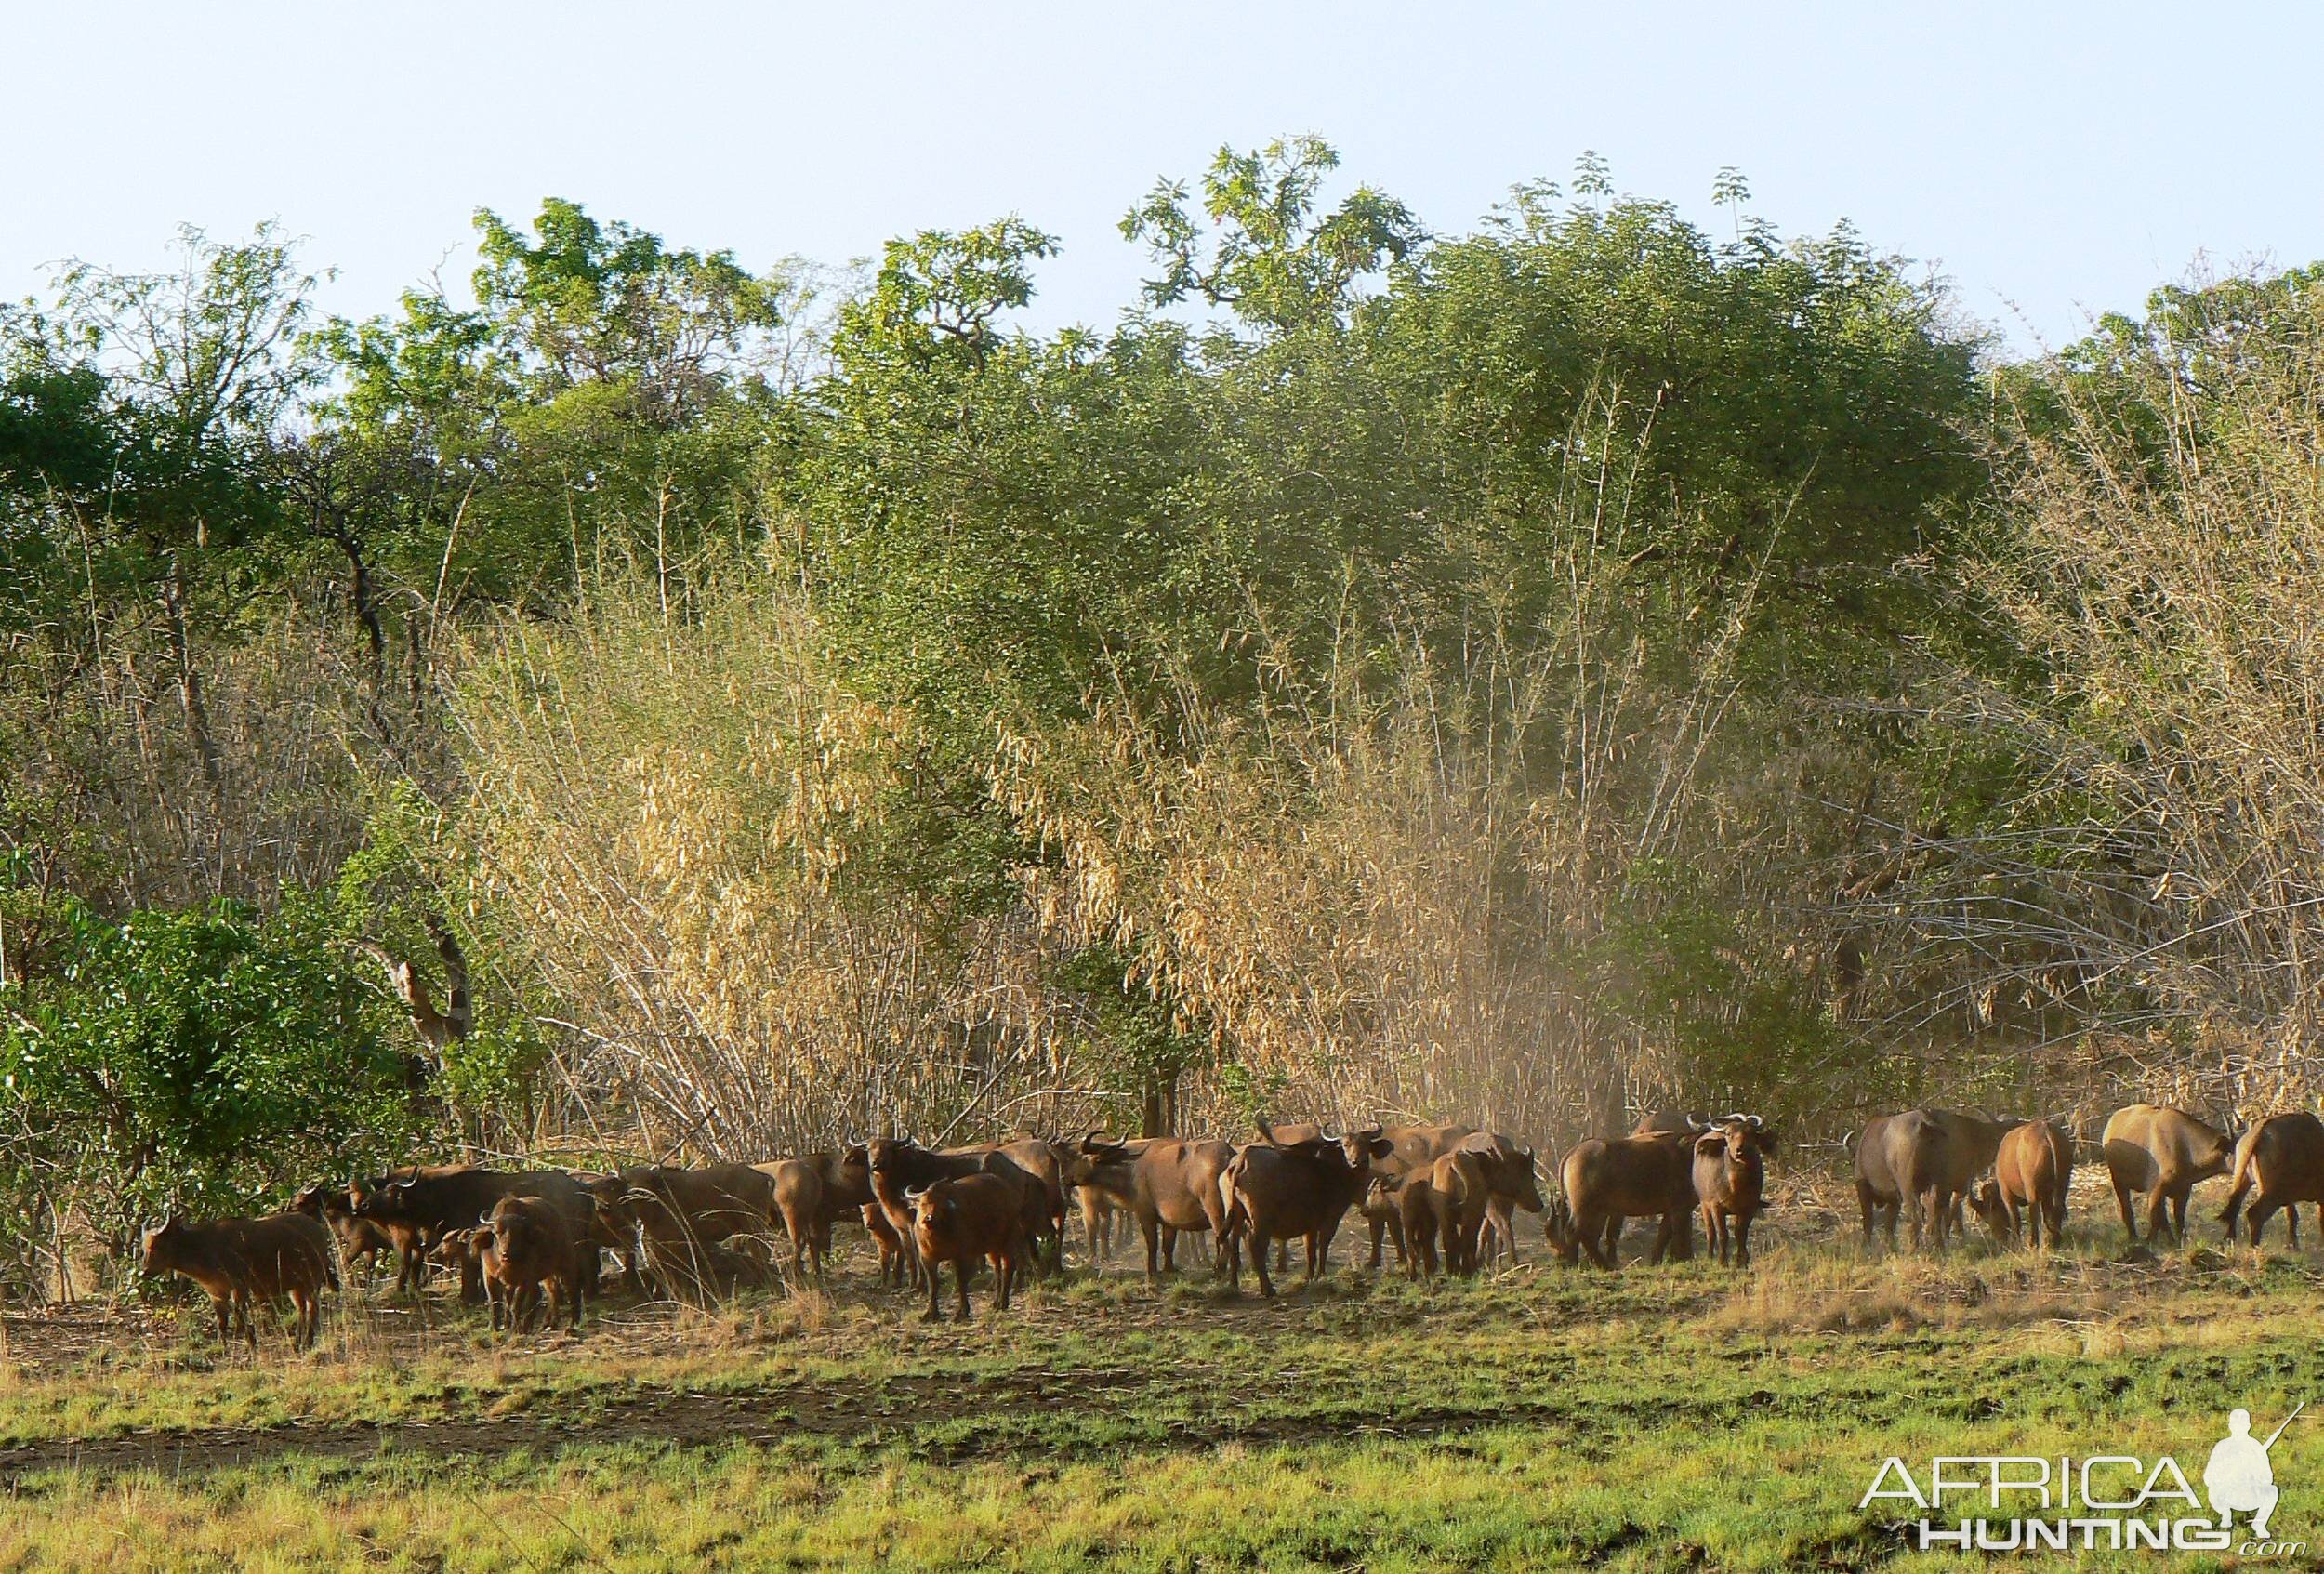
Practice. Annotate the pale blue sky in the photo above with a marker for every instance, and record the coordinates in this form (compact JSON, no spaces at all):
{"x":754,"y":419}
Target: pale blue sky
{"x":2050,"y":159}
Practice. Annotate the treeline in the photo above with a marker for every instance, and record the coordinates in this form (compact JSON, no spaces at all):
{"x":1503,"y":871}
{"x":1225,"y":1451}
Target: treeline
{"x":643,"y":703}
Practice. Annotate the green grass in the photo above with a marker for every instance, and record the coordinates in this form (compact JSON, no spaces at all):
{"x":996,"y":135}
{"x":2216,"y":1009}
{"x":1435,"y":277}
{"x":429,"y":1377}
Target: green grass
{"x":1673,"y":1418}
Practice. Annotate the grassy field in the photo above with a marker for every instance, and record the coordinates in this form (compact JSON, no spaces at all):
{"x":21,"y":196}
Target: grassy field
{"x":1674,"y":1418}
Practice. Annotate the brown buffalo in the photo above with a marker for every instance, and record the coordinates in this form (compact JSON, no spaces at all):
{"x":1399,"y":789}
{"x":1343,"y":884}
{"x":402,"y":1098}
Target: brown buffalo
{"x":814,"y":1191}
{"x":1060,"y":1169}
{"x":2278,"y":1163}
{"x":418,"y":1206}
{"x":679,"y":1219}
{"x":527,"y":1245}
{"x":237,"y":1260}
{"x":2162,"y":1153}
{"x":895,"y":1255}
{"x":2032,"y":1170}
{"x":1411,"y":1149}
{"x":979,"y":1217}
{"x":334,"y":1209}
{"x":1170,"y":1186}
{"x":1444,"y":1208}
{"x":798,"y":1194}
{"x":1512,"y":1174}
{"x":1609,"y":1180}
{"x":1273,"y":1191}
{"x":1730,"y":1172}
{"x":900,"y":1166}
{"x":1923,"y":1160}
{"x":1383,"y":1209}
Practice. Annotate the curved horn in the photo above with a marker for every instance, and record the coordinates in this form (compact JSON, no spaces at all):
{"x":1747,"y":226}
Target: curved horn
{"x":913,"y":1194}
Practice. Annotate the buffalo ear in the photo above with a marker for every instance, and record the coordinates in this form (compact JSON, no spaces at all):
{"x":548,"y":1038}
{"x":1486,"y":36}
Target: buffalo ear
{"x":1380,"y":1147}
{"x":1710,"y":1141}
{"x":1768,"y":1141}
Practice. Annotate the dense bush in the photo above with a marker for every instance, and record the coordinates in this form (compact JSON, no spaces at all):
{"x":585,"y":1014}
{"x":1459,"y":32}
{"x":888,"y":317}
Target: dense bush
{"x":199,"y":1060}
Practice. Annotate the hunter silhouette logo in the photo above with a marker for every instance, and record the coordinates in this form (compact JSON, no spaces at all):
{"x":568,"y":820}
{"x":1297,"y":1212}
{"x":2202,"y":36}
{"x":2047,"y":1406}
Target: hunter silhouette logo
{"x":2103,"y":1502}
{"x":2240,"y":1479}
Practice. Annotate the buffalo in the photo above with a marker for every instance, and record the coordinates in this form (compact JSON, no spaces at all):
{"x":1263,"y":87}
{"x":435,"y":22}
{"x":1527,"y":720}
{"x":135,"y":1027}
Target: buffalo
{"x":418,"y":1206}
{"x":979,"y":1217}
{"x":1609,"y":1180}
{"x":2160,"y":1153}
{"x":2032,"y":1170}
{"x":2281,"y":1160}
{"x":237,"y":1260}
{"x":900,"y":1166}
{"x":1273,"y":1191}
{"x":1170,"y":1187}
{"x":1730,"y":1177}
{"x":1923,"y":1161}
{"x":334,"y":1207}
{"x":1444,"y":1208}
{"x":527,"y":1245}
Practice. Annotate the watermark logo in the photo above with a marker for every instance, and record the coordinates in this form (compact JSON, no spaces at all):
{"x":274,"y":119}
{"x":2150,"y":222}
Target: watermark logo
{"x":2112,"y":1502}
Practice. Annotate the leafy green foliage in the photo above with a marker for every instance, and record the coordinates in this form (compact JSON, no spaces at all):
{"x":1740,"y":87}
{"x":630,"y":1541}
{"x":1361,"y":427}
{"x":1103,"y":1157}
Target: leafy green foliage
{"x":197,"y":1062}
{"x":1273,"y":256}
{"x":1144,"y":1044}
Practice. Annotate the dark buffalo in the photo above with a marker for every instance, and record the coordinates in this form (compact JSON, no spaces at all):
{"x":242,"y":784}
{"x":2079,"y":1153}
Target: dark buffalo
{"x":1275,"y":1191}
{"x":237,"y":1260}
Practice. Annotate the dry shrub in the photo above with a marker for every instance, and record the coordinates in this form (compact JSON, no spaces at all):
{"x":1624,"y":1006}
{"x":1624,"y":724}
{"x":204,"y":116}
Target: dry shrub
{"x":678,"y":819}
{"x":1395,"y":897}
{"x":2160,"y":866}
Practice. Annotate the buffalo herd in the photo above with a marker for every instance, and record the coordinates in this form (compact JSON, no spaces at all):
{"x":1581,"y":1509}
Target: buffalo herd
{"x":1446,"y":1194}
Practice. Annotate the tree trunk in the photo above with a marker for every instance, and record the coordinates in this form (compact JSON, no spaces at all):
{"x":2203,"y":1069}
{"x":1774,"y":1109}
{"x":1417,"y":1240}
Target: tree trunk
{"x":1158,"y":1105}
{"x":190,"y":685}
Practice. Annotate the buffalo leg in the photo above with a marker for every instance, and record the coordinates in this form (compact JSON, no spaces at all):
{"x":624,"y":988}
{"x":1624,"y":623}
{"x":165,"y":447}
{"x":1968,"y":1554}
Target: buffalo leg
{"x":2158,"y":1214}
{"x":1594,"y":1236}
{"x":960,"y":1283}
{"x":933,"y":1313}
{"x":1380,"y":1237}
{"x":2178,"y":1211}
{"x":1259,"y":1243}
{"x":2130,"y":1223}
{"x":1743,"y":1240}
